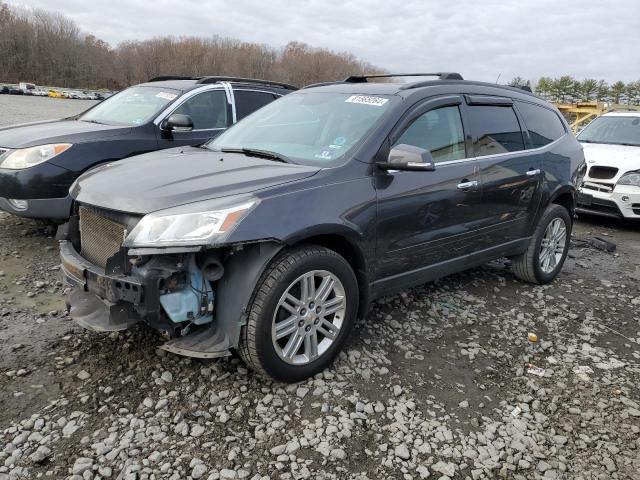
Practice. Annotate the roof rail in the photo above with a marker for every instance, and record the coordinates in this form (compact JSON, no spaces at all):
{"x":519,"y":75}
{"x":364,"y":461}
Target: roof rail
{"x":440,"y":75}
{"x":214,"y":79}
{"x":163,"y":78}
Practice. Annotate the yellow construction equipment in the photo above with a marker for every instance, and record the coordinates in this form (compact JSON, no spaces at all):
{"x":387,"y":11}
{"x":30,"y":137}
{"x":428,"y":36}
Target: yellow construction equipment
{"x":581,"y":113}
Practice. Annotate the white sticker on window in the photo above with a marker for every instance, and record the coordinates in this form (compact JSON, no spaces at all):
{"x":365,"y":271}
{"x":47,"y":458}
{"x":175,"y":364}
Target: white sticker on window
{"x":367,"y":100}
{"x":166,"y":95}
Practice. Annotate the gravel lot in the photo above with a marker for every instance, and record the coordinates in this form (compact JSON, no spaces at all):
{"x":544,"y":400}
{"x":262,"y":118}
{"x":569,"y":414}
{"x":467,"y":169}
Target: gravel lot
{"x":16,"y":109}
{"x":438,"y":382}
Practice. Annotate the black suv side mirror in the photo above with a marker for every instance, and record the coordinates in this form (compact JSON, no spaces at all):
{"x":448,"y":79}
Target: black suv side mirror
{"x":178,"y":122}
{"x":408,"y":157}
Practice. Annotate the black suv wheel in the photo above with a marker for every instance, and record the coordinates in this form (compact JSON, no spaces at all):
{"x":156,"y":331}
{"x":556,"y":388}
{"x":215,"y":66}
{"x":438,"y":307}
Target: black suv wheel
{"x":302,"y":311}
{"x":547,"y":249}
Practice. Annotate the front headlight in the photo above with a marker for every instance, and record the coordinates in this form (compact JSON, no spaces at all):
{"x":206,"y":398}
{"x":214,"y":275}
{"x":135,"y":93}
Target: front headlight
{"x":28,"y":157}
{"x":166,"y":229}
{"x":630,"y":178}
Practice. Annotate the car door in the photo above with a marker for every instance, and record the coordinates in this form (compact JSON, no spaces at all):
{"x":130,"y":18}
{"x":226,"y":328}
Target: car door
{"x":510,"y":174}
{"x":210,"y":112}
{"x":425,"y":218}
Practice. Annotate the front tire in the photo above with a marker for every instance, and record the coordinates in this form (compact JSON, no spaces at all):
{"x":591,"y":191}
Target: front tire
{"x":302,"y":311}
{"x":548,"y":248}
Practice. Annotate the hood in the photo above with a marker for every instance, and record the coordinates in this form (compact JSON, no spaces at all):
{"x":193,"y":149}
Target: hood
{"x":57,"y":131}
{"x":169,"y":178}
{"x":622,"y":157}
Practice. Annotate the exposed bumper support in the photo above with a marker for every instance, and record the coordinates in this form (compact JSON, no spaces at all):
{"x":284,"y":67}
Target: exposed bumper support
{"x":94,"y":314}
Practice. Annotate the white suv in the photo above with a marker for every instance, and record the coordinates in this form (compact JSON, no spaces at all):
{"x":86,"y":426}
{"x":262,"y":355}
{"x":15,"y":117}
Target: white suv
{"x":611,"y":185}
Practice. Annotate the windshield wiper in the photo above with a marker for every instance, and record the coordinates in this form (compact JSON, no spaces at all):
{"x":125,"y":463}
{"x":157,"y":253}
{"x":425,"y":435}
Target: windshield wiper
{"x":92,"y":121}
{"x":253,"y":152}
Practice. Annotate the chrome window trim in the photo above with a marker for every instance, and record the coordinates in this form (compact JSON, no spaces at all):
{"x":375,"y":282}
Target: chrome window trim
{"x":191,"y":93}
{"x":498,"y":155}
{"x":232,"y":100}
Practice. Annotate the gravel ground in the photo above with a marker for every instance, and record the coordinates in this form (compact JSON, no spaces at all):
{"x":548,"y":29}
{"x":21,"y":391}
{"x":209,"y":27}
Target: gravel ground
{"x":438,"y":382}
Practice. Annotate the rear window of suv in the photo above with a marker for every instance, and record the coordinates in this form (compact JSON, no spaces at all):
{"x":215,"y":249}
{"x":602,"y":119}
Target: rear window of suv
{"x":496,"y":128}
{"x":543,"y":124}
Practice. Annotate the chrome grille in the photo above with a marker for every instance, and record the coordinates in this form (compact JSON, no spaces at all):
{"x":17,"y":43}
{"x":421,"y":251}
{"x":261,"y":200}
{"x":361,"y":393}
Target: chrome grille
{"x":100,"y":237}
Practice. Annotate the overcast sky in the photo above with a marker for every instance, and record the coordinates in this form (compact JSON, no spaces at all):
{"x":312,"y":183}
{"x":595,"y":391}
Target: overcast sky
{"x":478,"y":38}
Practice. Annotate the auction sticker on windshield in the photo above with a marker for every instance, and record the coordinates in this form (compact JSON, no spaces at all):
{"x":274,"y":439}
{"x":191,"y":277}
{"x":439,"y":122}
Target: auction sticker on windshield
{"x":367,"y":100}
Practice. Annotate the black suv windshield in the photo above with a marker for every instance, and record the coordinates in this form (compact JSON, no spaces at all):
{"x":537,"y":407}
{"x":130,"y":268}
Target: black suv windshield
{"x":133,"y":106}
{"x":311,"y":128}
{"x":617,"y":130}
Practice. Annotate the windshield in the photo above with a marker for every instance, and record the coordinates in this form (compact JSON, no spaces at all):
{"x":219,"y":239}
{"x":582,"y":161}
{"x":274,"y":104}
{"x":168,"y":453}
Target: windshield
{"x":310,"y":128}
{"x":133,"y":106}
{"x":618,"y":130}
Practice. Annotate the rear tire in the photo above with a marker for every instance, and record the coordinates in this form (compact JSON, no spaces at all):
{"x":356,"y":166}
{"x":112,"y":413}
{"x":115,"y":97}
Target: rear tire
{"x":548,"y":248}
{"x":303,"y":308}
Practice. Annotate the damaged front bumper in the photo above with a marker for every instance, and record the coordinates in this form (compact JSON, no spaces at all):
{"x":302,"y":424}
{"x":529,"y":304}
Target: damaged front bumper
{"x":125,"y":293}
{"x":102,"y":301}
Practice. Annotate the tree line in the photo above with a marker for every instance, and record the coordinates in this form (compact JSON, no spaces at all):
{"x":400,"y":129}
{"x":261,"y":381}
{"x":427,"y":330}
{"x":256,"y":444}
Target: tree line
{"x":49,"y":49}
{"x":566,"y":89}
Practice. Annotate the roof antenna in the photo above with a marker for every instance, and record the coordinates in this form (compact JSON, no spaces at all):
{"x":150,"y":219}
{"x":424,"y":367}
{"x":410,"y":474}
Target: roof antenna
{"x":498,"y":77}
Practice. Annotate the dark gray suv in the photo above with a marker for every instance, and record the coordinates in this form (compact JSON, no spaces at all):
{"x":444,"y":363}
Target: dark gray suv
{"x":274,"y":237}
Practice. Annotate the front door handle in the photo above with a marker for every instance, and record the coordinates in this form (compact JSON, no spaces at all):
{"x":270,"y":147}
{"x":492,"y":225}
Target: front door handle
{"x":466,"y":185}
{"x":532,"y":173}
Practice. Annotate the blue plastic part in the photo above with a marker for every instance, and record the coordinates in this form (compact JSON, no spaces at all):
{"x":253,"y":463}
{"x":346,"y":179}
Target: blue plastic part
{"x":185,"y":305}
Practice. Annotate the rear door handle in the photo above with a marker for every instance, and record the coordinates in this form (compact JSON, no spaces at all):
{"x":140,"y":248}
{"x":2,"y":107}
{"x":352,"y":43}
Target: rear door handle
{"x":466,"y":185}
{"x":532,"y":173}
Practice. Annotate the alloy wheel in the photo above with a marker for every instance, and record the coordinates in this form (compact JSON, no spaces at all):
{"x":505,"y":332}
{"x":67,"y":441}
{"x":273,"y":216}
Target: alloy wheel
{"x":308,"y":317}
{"x":553,"y":245}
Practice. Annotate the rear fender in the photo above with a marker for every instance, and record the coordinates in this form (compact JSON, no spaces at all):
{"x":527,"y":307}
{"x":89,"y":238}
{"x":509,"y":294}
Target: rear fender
{"x":551,"y":198}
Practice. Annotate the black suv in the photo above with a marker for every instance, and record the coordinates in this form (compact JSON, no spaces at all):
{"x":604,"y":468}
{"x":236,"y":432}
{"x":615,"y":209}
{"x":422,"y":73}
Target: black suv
{"x":275,"y":236}
{"x":40,"y":161}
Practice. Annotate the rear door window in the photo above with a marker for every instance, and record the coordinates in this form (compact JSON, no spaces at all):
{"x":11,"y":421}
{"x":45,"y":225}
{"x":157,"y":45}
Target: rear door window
{"x":439,"y":131}
{"x":496,"y":130}
{"x":248,"y":101}
{"x":543,"y":124}
{"x":208,"y":110}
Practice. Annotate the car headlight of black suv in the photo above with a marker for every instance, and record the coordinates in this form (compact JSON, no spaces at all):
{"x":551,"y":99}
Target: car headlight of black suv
{"x":190,"y":225}
{"x":22,"y":158}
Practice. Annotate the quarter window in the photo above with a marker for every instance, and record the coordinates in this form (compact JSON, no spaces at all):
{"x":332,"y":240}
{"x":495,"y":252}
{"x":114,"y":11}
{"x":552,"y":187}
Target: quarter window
{"x":497,"y":130}
{"x":543,"y":124}
{"x":439,"y":131}
{"x":248,"y":101}
{"x":208,"y":110}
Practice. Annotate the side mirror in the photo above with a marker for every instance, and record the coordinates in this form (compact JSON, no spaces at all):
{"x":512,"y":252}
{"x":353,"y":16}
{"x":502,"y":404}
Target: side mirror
{"x":178,"y":123}
{"x":409,"y":158}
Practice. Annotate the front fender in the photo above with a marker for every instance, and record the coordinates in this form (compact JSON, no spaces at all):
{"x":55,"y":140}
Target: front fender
{"x":353,"y":233}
